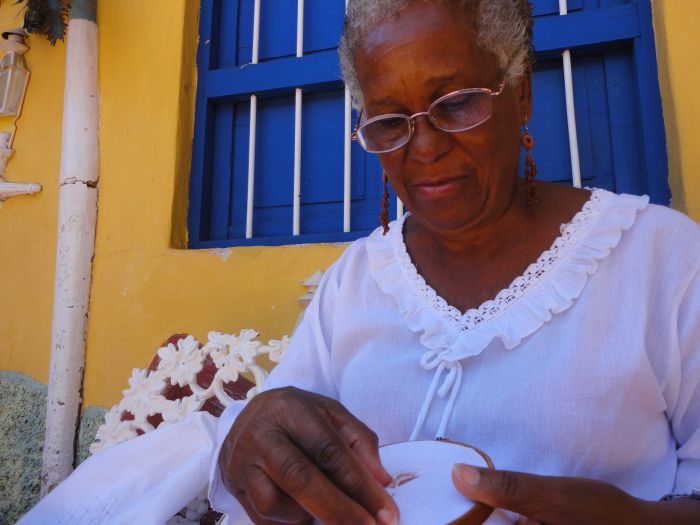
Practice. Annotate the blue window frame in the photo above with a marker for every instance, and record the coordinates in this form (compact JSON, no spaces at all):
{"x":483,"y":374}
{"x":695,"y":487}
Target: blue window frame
{"x":618,"y":110}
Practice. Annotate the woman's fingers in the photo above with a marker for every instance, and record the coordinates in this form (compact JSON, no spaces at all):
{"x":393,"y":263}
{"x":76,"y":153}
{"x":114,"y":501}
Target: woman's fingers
{"x":317,"y":460}
{"x":547,"y":499}
{"x":268,"y":502}
{"x":361,"y":440}
{"x":311,"y":488}
{"x":313,"y":463}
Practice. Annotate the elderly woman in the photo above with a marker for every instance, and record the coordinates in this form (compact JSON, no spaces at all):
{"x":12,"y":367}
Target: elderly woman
{"x":556,"y":328}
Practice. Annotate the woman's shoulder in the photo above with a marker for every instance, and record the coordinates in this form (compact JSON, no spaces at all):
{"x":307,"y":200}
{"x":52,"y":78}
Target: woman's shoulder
{"x":660,"y":242}
{"x":659,"y":217}
{"x":664,"y":228}
{"x":352,"y":262}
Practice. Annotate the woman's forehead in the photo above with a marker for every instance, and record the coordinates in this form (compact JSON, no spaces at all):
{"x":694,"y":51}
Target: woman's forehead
{"x":425,"y":46}
{"x":422,"y":18}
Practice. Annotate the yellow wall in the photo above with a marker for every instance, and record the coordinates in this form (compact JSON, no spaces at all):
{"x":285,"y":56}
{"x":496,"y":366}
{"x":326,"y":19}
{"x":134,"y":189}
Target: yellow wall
{"x":28,"y":224}
{"x":678,"y":55}
{"x":144,"y":288}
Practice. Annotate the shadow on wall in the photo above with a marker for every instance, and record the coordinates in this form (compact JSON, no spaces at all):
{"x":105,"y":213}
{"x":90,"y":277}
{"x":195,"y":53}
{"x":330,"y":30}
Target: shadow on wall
{"x":22,"y":414}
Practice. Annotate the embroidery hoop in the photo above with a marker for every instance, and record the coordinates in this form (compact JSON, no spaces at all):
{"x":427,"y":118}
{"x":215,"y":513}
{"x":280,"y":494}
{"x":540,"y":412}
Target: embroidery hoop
{"x":395,"y":456}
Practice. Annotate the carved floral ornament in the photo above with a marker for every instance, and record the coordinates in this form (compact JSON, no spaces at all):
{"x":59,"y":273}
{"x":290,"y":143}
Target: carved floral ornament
{"x":185,"y":377}
{"x":180,"y":364}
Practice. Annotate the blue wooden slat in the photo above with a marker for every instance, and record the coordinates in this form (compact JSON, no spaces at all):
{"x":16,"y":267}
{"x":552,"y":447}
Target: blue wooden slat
{"x":278,"y":30}
{"x":549,"y":7}
{"x":317,"y":69}
{"x":274,"y":154}
{"x":240,"y":170}
{"x":282,"y":240}
{"x":222,"y":172}
{"x":623,"y":123}
{"x":653,"y":136}
{"x":227,"y":36}
{"x":586,"y":28}
{"x":591,"y":99}
{"x":198,"y":194}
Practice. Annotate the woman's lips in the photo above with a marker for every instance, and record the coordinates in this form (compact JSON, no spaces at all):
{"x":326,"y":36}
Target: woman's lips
{"x":439,"y":186}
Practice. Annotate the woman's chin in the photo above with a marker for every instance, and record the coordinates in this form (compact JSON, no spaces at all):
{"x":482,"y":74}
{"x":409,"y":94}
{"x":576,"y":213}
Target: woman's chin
{"x":445,"y":219}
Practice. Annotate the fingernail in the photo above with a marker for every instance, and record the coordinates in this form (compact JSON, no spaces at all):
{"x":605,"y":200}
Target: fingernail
{"x":386,"y":517}
{"x":467,"y":474}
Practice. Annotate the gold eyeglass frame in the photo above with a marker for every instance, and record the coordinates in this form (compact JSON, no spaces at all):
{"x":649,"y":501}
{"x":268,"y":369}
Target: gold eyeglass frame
{"x":411,"y":118}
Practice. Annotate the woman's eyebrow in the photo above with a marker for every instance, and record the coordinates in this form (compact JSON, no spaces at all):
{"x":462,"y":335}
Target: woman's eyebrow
{"x":435,"y":83}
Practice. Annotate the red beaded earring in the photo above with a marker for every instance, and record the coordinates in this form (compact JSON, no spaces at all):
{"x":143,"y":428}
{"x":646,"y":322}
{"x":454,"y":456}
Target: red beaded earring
{"x":384,"y":215}
{"x":530,"y":165}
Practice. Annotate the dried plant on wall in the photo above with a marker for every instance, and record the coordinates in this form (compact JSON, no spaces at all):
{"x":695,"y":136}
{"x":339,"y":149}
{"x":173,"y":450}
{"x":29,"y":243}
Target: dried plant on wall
{"x":45,"y":17}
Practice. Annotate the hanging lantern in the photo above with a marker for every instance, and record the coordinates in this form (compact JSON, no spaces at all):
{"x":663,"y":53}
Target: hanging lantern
{"x":14,"y":74}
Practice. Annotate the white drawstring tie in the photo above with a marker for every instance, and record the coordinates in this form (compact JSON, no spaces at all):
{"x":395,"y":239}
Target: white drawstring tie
{"x":436,"y":359}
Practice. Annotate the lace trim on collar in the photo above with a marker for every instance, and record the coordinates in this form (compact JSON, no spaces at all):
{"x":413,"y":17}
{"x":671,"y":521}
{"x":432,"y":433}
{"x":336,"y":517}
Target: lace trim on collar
{"x":548,"y":286}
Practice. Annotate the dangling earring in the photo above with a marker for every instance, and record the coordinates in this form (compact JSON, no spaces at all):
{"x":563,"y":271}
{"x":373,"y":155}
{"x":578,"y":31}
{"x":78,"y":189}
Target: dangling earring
{"x":530,"y":165}
{"x":384,"y":215}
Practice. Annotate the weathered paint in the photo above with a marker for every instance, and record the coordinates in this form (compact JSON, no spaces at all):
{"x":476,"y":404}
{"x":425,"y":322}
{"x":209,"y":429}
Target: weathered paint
{"x":83,"y":10}
{"x":145,"y":287}
{"x":75,"y":249}
{"x":675,"y":27}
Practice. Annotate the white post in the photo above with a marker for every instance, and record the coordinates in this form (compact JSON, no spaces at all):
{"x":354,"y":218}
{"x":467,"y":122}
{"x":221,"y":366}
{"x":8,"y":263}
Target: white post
{"x":296,"y":198}
{"x":253,"y":123}
{"x":76,"y":242}
{"x":570,"y":108}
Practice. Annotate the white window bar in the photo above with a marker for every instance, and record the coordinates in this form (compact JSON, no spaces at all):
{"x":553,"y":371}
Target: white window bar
{"x":297,"y":126}
{"x":251,"y":167}
{"x":347,"y":165}
{"x":570,"y":108}
{"x":253,"y":124}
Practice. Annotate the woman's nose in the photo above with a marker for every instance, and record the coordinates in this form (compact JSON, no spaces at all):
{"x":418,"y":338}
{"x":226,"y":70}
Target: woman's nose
{"x":428,"y":143}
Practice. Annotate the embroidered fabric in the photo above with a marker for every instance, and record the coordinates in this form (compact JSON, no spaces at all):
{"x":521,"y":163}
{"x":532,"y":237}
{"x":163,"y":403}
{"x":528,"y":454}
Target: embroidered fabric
{"x":549,"y":285}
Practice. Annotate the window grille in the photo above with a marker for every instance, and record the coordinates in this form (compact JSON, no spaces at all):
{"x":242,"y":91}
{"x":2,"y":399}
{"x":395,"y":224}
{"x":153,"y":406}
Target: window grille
{"x":272,"y":158}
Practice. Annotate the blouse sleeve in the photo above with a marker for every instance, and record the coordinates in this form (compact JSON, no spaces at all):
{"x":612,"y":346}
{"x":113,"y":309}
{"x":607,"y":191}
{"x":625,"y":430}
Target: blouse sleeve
{"x":306,"y":365}
{"x":685,"y":418}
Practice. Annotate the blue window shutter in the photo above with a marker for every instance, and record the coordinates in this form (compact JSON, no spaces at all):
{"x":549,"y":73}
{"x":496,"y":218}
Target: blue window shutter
{"x":617,"y":100}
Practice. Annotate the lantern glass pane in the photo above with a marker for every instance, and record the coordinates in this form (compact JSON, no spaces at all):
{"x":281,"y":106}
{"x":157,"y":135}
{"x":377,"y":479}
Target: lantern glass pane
{"x":13,"y":81}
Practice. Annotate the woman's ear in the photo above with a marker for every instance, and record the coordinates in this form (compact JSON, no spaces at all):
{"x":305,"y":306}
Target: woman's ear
{"x":523,"y":92}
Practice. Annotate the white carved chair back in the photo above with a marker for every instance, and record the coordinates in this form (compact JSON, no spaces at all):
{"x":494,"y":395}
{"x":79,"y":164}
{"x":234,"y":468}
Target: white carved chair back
{"x":179,"y":365}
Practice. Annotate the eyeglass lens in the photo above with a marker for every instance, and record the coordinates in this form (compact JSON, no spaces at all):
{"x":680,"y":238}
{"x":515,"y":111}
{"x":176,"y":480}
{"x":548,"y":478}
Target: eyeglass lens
{"x":459,"y":111}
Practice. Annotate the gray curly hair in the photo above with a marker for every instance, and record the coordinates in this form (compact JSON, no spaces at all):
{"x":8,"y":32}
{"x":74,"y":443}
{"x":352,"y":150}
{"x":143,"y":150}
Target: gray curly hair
{"x":504,"y":27}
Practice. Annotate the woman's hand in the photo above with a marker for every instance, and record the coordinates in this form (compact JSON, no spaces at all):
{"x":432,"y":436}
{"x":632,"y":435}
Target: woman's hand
{"x":567,"y":501}
{"x":292,"y":456}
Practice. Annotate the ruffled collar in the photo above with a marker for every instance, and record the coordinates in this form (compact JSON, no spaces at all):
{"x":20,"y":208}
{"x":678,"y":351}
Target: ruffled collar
{"x":549,"y":286}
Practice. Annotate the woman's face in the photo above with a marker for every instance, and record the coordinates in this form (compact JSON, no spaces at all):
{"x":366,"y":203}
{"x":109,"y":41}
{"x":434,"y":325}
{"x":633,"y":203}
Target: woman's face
{"x":448,"y":180}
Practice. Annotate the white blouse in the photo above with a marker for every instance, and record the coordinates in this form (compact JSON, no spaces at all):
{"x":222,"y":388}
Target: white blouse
{"x":587,"y":365}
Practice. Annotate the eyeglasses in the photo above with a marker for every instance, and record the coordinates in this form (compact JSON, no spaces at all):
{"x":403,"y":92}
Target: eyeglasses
{"x":457,"y":111}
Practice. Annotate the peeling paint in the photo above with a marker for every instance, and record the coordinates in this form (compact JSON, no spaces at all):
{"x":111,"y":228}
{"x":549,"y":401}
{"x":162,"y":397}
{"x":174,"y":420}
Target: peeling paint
{"x":222,"y":253}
